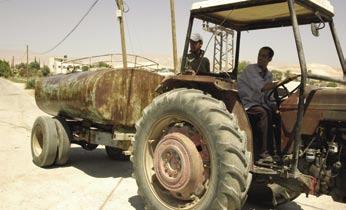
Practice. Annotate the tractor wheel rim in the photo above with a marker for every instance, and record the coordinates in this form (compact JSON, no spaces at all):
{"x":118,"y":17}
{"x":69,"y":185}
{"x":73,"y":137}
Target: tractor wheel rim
{"x":178,"y":165}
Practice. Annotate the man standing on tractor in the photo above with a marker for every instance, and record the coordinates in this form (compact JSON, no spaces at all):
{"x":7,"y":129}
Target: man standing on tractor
{"x":253,"y":83}
{"x":195,"y":59}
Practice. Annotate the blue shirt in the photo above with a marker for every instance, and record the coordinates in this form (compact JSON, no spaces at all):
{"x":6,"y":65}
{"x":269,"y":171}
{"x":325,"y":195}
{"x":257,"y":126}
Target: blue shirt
{"x":250,"y":84}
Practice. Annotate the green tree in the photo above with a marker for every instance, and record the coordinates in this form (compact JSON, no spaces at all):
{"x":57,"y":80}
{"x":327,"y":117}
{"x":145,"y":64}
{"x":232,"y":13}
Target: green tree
{"x":85,"y":68}
{"x":242,"y":65}
{"x":277,"y":75}
{"x":34,"y":66}
{"x":71,"y":68}
{"x":23,"y":72}
{"x":102,"y":64}
{"x":20,"y":66}
{"x":45,"y":71}
{"x":5,"y":70}
{"x":287,"y":73}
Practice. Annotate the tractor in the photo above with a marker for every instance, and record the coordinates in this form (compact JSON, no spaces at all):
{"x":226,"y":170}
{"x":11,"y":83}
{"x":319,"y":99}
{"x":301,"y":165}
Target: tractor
{"x":194,"y":143}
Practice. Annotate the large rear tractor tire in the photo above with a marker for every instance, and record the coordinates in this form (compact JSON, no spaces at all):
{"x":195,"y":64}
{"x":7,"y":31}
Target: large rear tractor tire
{"x":64,"y":137}
{"x":189,"y":153}
{"x":44,"y":141}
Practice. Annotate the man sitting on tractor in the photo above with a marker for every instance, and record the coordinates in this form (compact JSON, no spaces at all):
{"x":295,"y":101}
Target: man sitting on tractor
{"x":195,"y":59}
{"x":253,"y":83}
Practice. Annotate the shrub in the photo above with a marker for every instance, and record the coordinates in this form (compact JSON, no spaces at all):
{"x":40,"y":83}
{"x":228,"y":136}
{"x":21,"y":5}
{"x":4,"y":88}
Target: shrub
{"x":34,"y":65}
{"x":21,"y":66}
{"x":242,"y":65}
{"x":288,"y":73}
{"x":277,"y":75}
{"x":30,"y":84}
{"x":45,"y":71}
{"x":331,"y":84}
{"x":102,"y":64}
{"x":23,"y":72}
{"x":85,"y":68}
{"x":5,"y":70}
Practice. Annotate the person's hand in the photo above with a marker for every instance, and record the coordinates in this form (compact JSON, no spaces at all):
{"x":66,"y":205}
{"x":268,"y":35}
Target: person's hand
{"x":190,"y":72}
{"x":269,"y":86}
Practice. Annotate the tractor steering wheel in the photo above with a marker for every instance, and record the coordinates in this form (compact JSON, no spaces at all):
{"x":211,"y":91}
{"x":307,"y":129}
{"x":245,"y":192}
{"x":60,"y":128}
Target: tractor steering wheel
{"x":281,"y":93}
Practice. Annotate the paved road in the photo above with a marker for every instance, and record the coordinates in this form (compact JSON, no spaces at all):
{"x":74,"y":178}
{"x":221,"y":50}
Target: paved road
{"x":89,"y":181}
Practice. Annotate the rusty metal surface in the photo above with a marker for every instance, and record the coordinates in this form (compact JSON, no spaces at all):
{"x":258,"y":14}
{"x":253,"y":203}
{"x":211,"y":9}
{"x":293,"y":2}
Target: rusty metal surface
{"x":322,"y":104}
{"x":115,"y":97}
{"x":191,"y":80}
{"x":197,"y":139}
{"x":179,"y":166}
{"x":244,"y":123}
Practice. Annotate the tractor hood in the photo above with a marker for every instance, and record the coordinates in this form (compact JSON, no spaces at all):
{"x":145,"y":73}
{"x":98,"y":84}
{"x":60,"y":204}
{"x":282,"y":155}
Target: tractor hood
{"x":321,"y":104}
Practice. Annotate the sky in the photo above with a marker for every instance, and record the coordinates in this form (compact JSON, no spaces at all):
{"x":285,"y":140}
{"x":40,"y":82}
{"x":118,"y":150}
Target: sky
{"x":43,"y":23}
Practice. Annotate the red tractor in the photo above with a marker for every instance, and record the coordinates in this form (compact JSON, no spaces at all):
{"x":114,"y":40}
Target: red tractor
{"x":193,"y":146}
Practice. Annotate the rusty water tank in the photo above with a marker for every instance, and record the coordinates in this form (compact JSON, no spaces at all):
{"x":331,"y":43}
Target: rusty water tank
{"x":111,"y":96}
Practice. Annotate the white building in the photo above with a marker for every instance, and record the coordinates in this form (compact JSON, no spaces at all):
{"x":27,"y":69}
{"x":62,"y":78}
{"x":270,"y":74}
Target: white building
{"x":59,"y":65}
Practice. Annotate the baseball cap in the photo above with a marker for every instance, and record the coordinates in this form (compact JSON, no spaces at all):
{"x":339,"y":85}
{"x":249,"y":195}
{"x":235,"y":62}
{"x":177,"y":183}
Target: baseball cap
{"x":196,"y":37}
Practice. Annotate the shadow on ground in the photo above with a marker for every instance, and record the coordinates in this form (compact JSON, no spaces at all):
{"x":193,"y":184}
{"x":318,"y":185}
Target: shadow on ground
{"x":138,"y":204}
{"x":97,"y":164}
{"x":288,"y":206}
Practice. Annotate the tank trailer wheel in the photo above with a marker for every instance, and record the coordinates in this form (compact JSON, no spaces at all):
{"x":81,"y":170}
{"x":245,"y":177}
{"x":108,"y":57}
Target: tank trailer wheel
{"x":116,"y":154}
{"x":44,"y":141}
{"x":89,"y":147}
{"x":189,"y":153}
{"x":64,"y":137}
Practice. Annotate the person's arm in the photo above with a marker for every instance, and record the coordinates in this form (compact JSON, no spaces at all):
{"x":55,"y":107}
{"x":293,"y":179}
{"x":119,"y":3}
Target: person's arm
{"x":189,"y":72}
{"x":272,"y":85}
{"x":269,"y":86}
{"x":207,"y":64}
{"x":203,"y":66}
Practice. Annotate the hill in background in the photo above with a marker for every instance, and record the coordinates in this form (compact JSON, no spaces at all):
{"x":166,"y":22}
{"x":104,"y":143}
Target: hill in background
{"x":166,"y":61}
{"x":315,"y":68}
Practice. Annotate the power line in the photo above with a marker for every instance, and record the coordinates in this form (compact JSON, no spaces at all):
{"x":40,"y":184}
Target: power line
{"x":127,"y":26}
{"x":128,"y":31}
{"x":73,"y":29}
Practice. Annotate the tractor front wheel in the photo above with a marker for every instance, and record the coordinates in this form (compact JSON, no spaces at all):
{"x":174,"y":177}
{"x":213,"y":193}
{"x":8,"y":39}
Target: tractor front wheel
{"x":189,"y":153}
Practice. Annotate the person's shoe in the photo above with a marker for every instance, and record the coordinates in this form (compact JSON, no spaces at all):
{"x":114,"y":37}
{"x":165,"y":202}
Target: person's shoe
{"x":265,"y":157}
{"x":277,"y":158}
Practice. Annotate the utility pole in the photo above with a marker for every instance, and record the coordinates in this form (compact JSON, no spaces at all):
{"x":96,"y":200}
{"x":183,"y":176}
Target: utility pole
{"x":119,"y":12}
{"x":27,"y":62}
{"x":174,"y":38}
{"x":12,"y":62}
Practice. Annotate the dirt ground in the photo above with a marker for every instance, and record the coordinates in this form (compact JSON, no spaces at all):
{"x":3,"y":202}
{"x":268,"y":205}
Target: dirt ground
{"x":89,"y":181}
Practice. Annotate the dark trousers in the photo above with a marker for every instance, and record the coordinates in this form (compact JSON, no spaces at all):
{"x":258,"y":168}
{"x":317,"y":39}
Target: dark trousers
{"x":261,"y":122}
